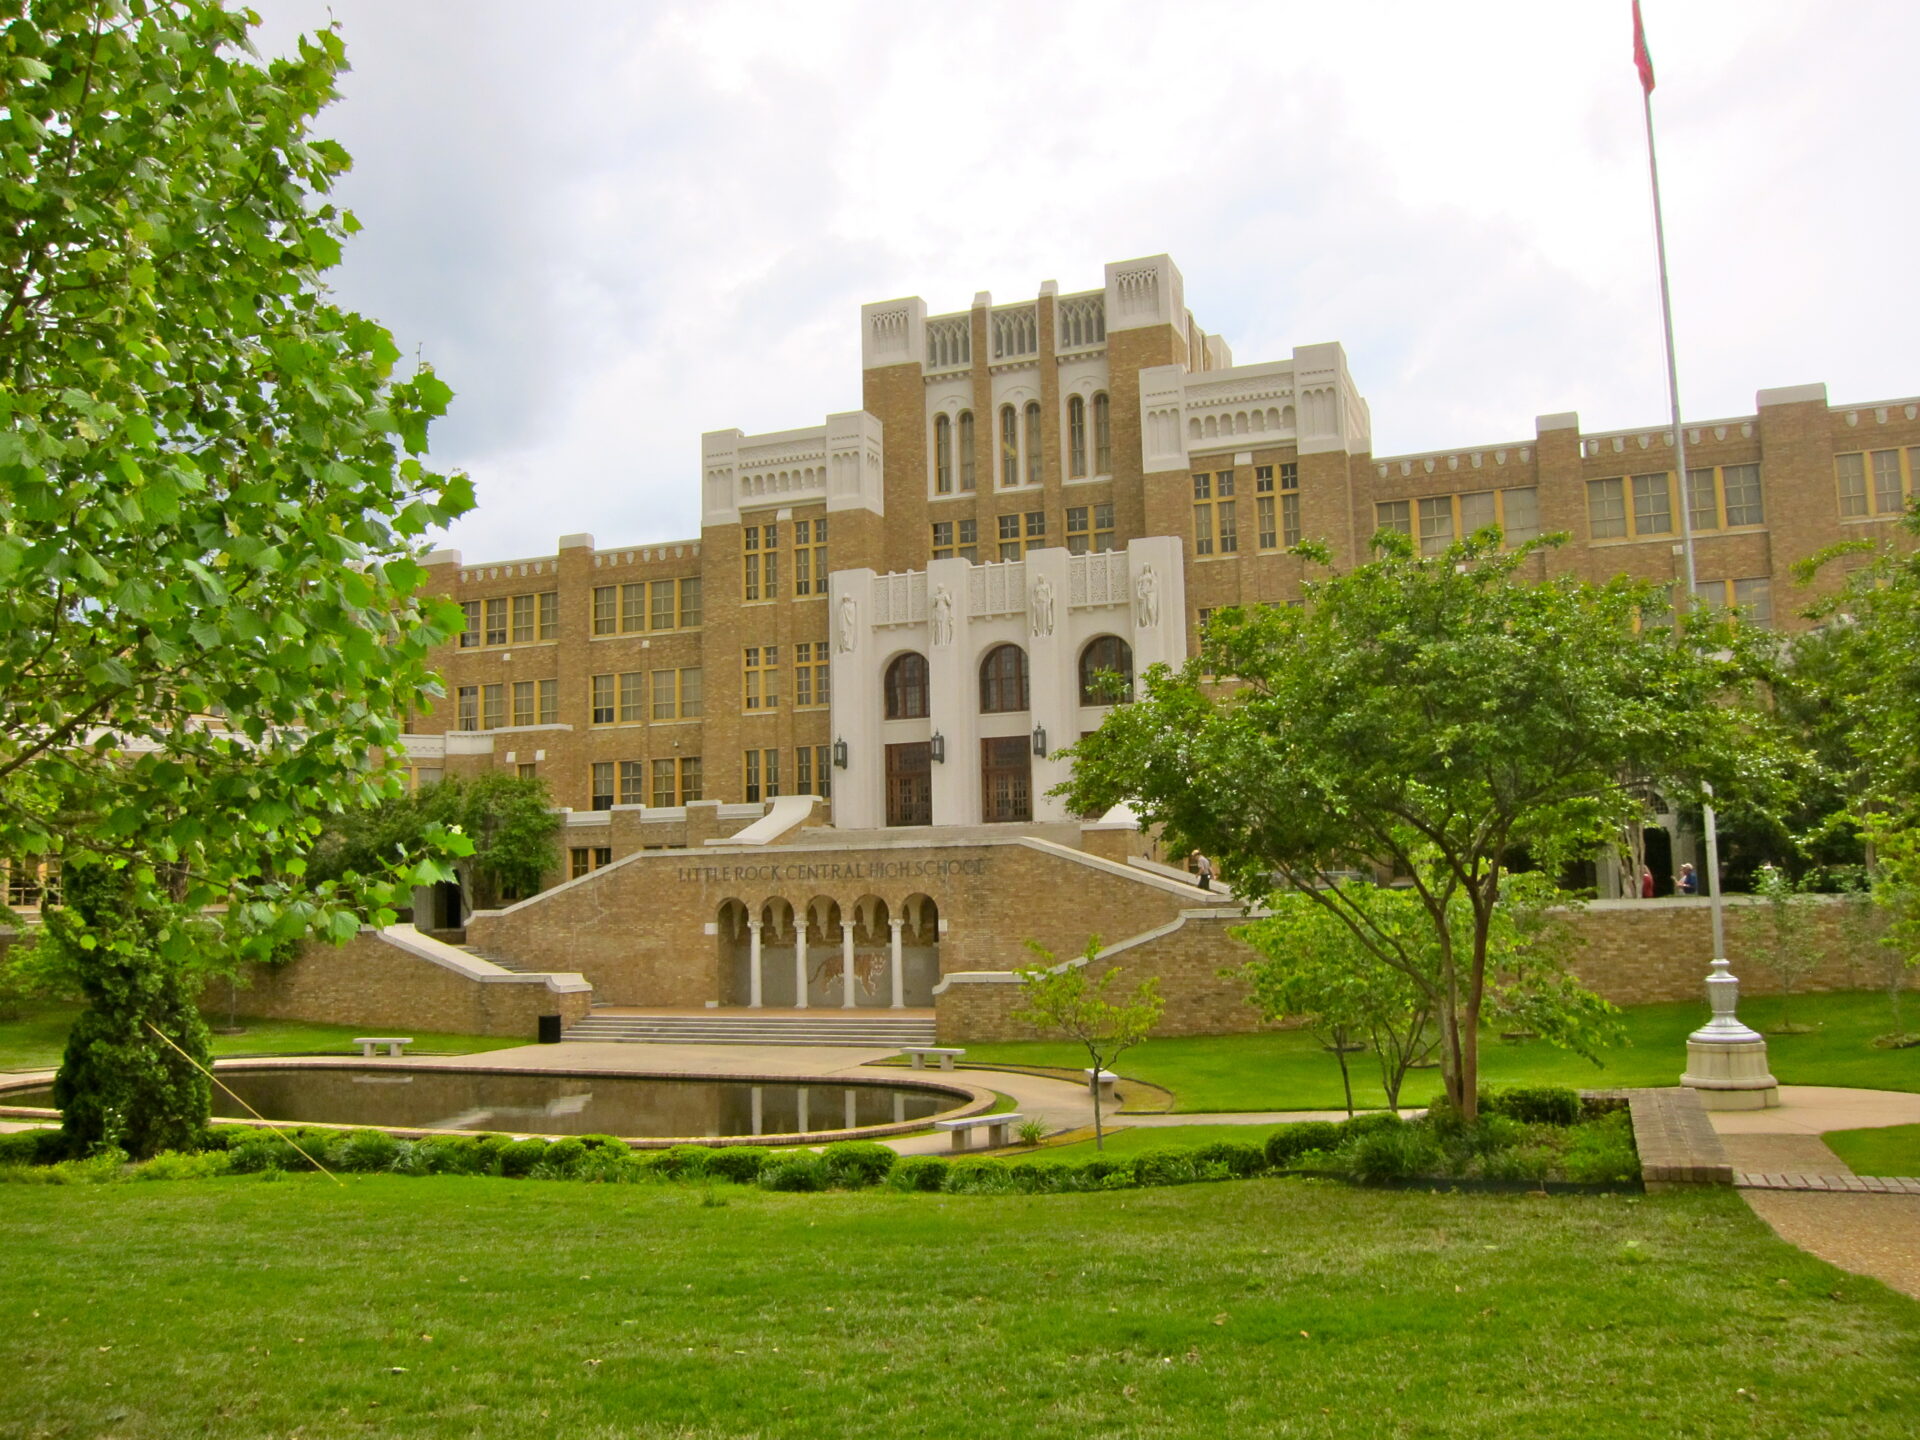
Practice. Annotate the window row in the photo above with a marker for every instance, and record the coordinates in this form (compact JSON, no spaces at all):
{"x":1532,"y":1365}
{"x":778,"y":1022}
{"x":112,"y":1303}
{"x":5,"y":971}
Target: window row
{"x":760,"y":560}
{"x":1276,"y":509}
{"x":1875,"y":482}
{"x":647,"y":605}
{"x":1021,"y":446}
{"x":675,"y":780}
{"x":1445,"y":518}
{"x":1106,"y":678}
{"x":812,"y":773}
{"x":1628,"y":507}
{"x":621,"y":699}
{"x":484,"y":707}
{"x":1090,"y":528}
{"x":510,"y":619}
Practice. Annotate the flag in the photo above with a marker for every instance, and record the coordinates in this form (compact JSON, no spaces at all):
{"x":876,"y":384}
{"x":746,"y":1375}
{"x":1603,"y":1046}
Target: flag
{"x":1641,"y":59}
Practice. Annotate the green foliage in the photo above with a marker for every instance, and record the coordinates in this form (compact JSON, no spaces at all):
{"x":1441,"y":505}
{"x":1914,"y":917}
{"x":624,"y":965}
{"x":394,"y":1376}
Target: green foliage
{"x":855,"y":1164}
{"x":1602,"y":1152}
{"x":34,"y":1147}
{"x":1240,"y":1158}
{"x":1165,"y":1166}
{"x":741,"y":1164}
{"x":363,"y":1150}
{"x":518,"y":1159}
{"x":681,"y":1162}
{"x":1534,"y":1104}
{"x":1435,"y":715}
{"x":172,"y":1165}
{"x":1786,"y":949}
{"x":919,"y":1172}
{"x":1389,"y":1152}
{"x":1062,"y":997}
{"x":1289,"y":1142}
{"x":978,"y":1177}
{"x":794,"y":1170}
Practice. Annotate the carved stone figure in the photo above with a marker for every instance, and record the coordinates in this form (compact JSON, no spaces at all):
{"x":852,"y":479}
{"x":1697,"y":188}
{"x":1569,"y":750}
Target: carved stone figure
{"x":849,"y":622}
{"x":1040,"y":611}
{"x":942,"y":618}
{"x":1146,"y":599}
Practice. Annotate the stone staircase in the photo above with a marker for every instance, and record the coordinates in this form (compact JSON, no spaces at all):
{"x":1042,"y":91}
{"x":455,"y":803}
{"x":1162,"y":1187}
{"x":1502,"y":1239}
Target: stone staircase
{"x":870,"y":1028}
{"x":502,"y":961}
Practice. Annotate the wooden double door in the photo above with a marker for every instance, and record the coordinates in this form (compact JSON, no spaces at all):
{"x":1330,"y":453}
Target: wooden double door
{"x":1006,"y":779}
{"x":910,"y":784}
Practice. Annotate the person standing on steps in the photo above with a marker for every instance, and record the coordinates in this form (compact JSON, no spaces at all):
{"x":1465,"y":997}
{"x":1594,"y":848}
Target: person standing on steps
{"x":1202,"y":871}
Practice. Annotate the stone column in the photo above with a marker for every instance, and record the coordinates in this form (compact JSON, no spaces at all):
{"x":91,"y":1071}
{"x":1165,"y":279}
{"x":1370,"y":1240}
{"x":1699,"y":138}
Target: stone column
{"x":898,"y":965}
{"x":846,"y":964}
{"x":853,"y":1113}
{"x":800,"y":962}
{"x":801,"y":1122}
{"x":753,"y":964}
{"x":758,"y":1097}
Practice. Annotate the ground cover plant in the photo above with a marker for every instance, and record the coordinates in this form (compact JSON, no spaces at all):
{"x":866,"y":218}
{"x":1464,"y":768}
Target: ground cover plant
{"x":454,"y":1306}
{"x":1289,"y":1069}
{"x":1886,"y":1150}
{"x":35,"y":1040}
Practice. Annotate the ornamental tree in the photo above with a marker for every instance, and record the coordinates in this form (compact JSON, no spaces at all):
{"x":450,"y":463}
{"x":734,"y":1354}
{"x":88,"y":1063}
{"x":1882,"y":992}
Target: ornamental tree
{"x":1064,"y":997}
{"x":212,"y":501}
{"x":1437,"y":717}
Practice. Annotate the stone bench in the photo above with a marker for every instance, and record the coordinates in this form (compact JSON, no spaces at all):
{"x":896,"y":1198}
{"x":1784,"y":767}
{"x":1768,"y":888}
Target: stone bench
{"x":1104,"y":1083}
{"x":998,"y":1128}
{"x":396,"y":1045}
{"x":917,"y":1055}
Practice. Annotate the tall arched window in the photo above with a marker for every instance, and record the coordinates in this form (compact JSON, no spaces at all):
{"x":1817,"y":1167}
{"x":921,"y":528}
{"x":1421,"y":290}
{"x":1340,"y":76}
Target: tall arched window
{"x":1076,"y":437}
{"x":1102,"y":435}
{"x":942,"y":455}
{"x":966,"y":449}
{"x":1033,"y":442}
{"x":1106,"y":672}
{"x":1009,"y":447}
{"x":906,"y":688}
{"x":1003,"y":680}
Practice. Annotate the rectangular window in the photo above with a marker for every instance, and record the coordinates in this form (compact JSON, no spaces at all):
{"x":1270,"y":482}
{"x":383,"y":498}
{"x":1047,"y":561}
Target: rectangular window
{"x":1102,"y":435}
{"x":1076,"y":437}
{"x":1751,"y":599}
{"x":493,"y":706}
{"x":943,"y":539}
{"x":689,"y":778}
{"x":527,"y":770}
{"x":1520,"y":514}
{"x":467,"y":713}
{"x":692,"y":701}
{"x":1009,"y":537}
{"x":631,"y":696}
{"x":1215,"y":528}
{"x":632,"y":787}
{"x":1266,"y":520}
{"x":690,"y":615}
{"x":470,"y":627}
{"x":549,"y":702}
{"x":1394,"y":515}
{"x":602,"y":785}
{"x":966,"y":450}
{"x":1477,"y":511}
{"x":956,"y":540}
{"x":1740,"y":494}
{"x":761,"y":675}
{"x":810,"y":557}
{"x":1079,"y":528}
{"x":810,"y":672}
{"x":496,"y":625}
{"x":579,"y":862}
{"x":761,"y":547}
{"x":633,"y":607}
{"x":523,"y":711}
{"x":1703,"y":500}
{"x":1436,"y":524}
{"x":549,"y":602}
{"x":606,"y":609}
{"x":523,"y":619}
{"x":1009,"y":448}
{"x":600,"y":710}
{"x":1652,"y":505}
{"x":1607,"y":508}
{"x":1886,"y":482}
{"x":1102,"y":528}
{"x":812,"y":773}
{"x":660,"y":611}
{"x":663,"y":790}
{"x":752,"y":777}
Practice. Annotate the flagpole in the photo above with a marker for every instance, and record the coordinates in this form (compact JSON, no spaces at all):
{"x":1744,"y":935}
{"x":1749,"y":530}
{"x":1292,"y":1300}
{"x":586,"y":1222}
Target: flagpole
{"x":1714,"y":901}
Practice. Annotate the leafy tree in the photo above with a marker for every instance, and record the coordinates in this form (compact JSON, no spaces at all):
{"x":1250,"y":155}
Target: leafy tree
{"x":211,"y":498}
{"x":1062,"y":997}
{"x":1434,"y":715}
{"x":1786,"y":949}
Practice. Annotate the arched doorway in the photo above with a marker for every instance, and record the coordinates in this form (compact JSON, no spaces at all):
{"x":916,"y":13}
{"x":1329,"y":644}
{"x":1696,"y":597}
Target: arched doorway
{"x":820,"y":953}
{"x":732,"y":948}
{"x":919,"y":950}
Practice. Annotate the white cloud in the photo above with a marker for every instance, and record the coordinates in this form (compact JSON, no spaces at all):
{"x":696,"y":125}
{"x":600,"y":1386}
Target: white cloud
{"x":616,"y":229}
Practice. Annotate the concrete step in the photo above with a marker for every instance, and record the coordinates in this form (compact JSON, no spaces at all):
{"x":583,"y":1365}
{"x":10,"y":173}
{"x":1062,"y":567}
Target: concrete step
{"x":501,"y":961}
{"x":738,"y":1029}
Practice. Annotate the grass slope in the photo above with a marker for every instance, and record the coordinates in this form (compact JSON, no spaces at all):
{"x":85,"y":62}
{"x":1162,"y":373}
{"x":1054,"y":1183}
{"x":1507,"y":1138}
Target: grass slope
{"x":1889,"y":1150}
{"x":458,"y":1307}
{"x":36,"y":1040}
{"x":1287,"y":1070}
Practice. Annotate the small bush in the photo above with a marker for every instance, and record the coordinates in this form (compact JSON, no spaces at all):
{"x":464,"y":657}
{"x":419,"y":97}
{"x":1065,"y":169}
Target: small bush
{"x":264,"y":1150}
{"x":563,"y":1157}
{"x":363,"y":1150}
{"x":1389,"y":1152}
{"x":1367,"y":1124}
{"x":171,"y":1165}
{"x":455,"y":1155}
{"x":1531,"y":1163}
{"x":1102,"y":1168}
{"x":1239,"y":1158}
{"x":602,"y":1142}
{"x":1533,"y":1104}
{"x":33,"y":1147}
{"x":1042,"y":1177}
{"x":978,"y":1177}
{"x":1285,"y":1145}
{"x":919,"y":1172}
{"x":681,"y":1162}
{"x":602,"y":1165}
{"x":1601,"y":1152}
{"x":1164,"y":1166}
{"x":799,"y":1171}
{"x":741,"y":1164}
{"x":856,"y":1164}
{"x":518,"y":1159}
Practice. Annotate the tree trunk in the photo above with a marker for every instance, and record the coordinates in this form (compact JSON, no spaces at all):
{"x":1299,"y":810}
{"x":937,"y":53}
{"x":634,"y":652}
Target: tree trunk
{"x":1346,"y":1076}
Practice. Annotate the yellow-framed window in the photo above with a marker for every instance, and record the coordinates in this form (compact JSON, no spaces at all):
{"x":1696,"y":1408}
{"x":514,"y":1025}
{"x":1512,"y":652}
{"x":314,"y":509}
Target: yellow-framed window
{"x":549,"y":606}
{"x":1216,"y":529}
{"x":467,"y":708}
{"x":812,"y":773}
{"x":469,"y":624}
{"x":1009,"y":447}
{"x":761,"y":775}
{"x":1630,"y":507}
{"x":600,"y":707}
{"x":632,"y":783}
{"x":1102,"y":435}
{"x":1076,"y":437}
{"x":1876,"y":483}
{"x":810,"y":557}
{"x":493,"y":706}
{"x":523,"y":619}
{"x":606,"y":609}
{"x":1393,"y":515}
{"x":600,"y":785}
{"x":811,"y":671}
{"x":631,"y":696}
{"x":666,"y":694}
{"x":942,"y":454}
{"x":633,"y":607}
{"x":956,"y":539}
{"x":1724,"y":497}
{"x":760,"y":545}
{"x":1089,"y":528}
{"x":496,"y":626}
{"x":523,"y":703}
{"x":690,"y":611}
{"x":1751,"y":600}
{"x":549,"y":702}
{"x":760,"y":688}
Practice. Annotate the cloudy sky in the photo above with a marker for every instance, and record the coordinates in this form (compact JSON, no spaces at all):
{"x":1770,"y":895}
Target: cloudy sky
{"x":612,"y":225}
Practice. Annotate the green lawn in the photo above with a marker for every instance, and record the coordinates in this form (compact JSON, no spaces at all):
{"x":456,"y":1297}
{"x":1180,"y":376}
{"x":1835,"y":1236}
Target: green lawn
{"x":1287,"y":1070}
{"x":1889,"y":1150}
{"x":34,"y":1041}
{"x":480,"y":1308}
{"x":1131,"y":1140}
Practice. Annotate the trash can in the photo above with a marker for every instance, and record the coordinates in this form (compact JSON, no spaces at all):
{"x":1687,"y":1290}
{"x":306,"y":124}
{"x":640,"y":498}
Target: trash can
{"x":549,"y":1029}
